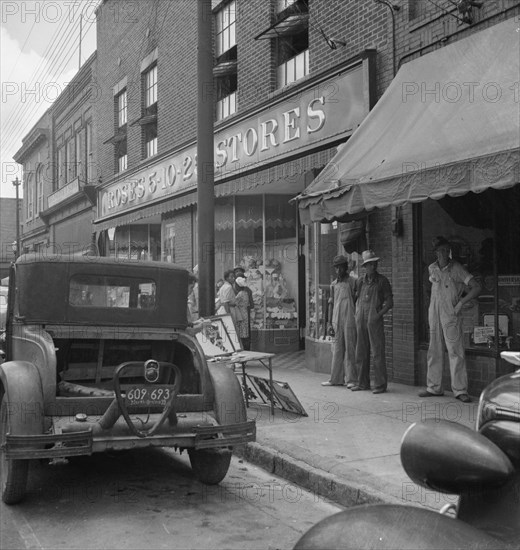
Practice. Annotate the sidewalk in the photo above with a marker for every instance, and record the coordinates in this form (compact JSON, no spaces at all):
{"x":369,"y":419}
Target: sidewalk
{"x":347,"y":449}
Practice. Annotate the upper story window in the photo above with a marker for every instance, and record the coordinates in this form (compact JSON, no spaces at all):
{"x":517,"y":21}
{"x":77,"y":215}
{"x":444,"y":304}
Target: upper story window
{"x":80,"y":153}
{"x":29,"y":196}
{"x":150,"y":78}
{"x":89,"y":163}
{"x":149,"y":118}
{"x":39,"y":190}
{"x":225,"y":70}
{"x":120,"y":138}
{"x":293,"y":58}
{"x":71,"y":158}
{"x":62,"y":164}
{"x":122,"y":111}
{"x":284,"y":4}
{"x":289,"y":34}
{"x":226,"y":28}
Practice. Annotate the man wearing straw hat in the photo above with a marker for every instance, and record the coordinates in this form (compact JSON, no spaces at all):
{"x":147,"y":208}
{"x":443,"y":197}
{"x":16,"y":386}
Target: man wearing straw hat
{"x":374,"y":299}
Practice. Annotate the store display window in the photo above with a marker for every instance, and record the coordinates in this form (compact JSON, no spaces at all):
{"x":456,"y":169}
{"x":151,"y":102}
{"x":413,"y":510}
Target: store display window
{"x":324,"y":241}
{"x":259,"y":233}
{"x":323,"y":245}
{"x":485,"y":236}
{"x":169,"y":243}
{"x":136,"y":242}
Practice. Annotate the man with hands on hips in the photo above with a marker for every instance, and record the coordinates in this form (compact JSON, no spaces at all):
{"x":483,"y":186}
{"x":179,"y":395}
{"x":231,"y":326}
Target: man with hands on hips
{"x":452,"y":287}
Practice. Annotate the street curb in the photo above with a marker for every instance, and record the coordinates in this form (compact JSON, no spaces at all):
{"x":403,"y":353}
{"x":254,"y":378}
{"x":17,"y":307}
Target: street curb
{"x":346,"y":493}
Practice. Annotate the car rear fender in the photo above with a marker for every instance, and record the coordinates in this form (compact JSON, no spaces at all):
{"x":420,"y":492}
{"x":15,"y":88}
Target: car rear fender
{"x":199,"y":362}
{"x":228,"y":402}
{"x":34,"y":344}
{"x":21,"y":387}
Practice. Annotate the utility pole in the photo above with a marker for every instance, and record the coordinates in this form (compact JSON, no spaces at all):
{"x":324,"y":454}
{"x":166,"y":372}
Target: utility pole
{"x":205,"y":161}
{"x":16,"y":184}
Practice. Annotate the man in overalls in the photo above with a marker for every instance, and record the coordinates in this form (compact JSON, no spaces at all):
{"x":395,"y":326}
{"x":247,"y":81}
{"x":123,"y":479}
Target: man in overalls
{"x":374,"y":299}
{"x":449,"y":281}
{"x":344,"y":326}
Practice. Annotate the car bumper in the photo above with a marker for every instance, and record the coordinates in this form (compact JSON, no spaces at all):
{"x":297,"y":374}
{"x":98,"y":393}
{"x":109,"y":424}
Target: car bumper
{"x":92,"y":440}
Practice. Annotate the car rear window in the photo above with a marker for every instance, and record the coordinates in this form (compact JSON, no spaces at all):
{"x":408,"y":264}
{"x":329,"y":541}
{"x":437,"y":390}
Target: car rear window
{"x":112,"y":292}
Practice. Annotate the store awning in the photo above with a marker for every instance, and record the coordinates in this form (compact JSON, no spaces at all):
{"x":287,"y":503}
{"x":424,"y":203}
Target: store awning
{"x":449,"y":123}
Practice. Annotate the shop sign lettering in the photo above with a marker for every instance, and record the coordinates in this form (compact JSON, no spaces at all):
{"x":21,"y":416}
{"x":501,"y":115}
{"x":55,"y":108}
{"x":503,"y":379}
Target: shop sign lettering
{"x":328,"y":110}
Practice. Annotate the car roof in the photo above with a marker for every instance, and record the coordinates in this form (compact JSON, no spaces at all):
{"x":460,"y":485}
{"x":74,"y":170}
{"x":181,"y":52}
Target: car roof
{"x":43,"y":290}
{"x":79,"y":259}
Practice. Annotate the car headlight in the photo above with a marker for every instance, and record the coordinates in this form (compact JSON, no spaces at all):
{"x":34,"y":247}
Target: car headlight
{"x":500,"y":401}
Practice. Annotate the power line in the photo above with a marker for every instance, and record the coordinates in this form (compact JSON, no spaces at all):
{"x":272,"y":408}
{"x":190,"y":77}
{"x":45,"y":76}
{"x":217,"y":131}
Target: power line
{"x":16,"y":116}
{"x":22,"y":48}
{"x":61,"y":42}
{"x":54,"y":67}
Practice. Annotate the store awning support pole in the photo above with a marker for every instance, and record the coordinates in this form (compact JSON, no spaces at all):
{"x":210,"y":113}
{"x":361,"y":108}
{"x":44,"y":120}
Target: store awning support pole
{"x":205,"y":167}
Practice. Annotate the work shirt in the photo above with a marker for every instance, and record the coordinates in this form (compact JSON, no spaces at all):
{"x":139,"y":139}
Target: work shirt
{"x":448,"y":283}
{"x":373,"y":292}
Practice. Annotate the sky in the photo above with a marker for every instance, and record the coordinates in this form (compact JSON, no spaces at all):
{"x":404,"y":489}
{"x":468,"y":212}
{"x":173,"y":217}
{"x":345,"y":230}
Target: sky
{"x":39,"y":55}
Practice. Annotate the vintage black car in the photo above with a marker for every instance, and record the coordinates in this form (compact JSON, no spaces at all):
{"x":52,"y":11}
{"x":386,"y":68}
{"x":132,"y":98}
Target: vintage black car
{"x":99,"y":357}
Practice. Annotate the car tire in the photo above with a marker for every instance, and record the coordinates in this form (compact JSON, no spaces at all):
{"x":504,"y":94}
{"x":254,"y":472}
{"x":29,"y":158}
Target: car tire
{"x":13,"y":473}
{"x":210,"y":466}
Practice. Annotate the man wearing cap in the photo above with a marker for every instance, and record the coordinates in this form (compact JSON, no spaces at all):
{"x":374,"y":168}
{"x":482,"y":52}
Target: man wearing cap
{"x":374,"y":299}
{"x":344,"y":325}
{"x":449,"y":281}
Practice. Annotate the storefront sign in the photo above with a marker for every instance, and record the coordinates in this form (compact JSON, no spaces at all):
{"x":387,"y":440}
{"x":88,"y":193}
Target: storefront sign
{"x":331,"y":109}
{"x":509,"y":280}
{"x":63,"y":193}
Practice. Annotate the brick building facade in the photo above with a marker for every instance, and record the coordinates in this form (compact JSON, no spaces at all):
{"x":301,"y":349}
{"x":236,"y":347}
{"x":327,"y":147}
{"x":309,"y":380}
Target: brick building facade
{"x":293,"y":79}
{"x":60,"y":171}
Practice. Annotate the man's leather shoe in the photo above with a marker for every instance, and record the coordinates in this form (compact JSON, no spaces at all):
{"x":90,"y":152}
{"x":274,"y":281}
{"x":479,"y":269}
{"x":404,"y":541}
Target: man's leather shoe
{"x":427,"y":393}
{"x":464,"y":397}
{"x":379,"y":390}
{"x":358,"y":388}
{"x":330,"y":384}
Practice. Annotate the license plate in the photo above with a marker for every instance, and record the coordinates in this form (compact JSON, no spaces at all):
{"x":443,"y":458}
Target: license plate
{"x":148,"y":396}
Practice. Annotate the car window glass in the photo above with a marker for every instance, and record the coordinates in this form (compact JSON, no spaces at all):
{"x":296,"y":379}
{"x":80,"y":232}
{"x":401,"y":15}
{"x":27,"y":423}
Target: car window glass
{"x":112,"y":292}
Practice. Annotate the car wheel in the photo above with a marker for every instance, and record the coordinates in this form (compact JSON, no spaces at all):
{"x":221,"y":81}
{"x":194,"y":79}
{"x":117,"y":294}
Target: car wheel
{"x":210,"y":466}
{"x":13,"y":473}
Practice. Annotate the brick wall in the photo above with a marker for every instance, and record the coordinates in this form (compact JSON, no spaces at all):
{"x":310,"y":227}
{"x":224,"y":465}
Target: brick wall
{"x":128,"y":32}
{"x":184,"y":253}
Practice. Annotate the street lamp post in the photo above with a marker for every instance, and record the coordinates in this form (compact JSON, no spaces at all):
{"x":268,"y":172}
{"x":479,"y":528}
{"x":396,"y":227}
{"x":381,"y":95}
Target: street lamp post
{"x":16,"y":184}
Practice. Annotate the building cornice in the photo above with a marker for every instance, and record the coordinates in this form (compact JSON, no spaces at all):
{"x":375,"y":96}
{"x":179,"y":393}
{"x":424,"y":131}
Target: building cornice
{"x":37,"y":136}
